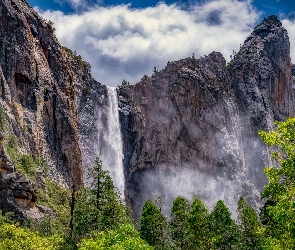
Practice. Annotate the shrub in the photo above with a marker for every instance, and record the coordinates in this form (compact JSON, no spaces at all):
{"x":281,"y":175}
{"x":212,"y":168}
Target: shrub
{"x":2,"y":120}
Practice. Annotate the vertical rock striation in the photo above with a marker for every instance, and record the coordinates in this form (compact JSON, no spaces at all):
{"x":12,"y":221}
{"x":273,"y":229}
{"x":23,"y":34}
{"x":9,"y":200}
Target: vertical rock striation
{"x":38,"y":82}
{"x":191,"y":128}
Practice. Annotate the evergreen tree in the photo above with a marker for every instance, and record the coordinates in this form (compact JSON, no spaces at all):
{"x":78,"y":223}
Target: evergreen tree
{"x":198,"y":226}
{"x":98,"y":207}
{"x":179,"y":223}
{"x":278,"y":212}
{"x":153,"y":226}
{"x":223,"y":230}
{"x":249,"y":225}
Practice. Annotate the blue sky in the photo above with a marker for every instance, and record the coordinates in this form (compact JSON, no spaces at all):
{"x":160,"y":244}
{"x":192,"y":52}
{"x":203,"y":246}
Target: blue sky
{"x":268,"y":7}
{"x":126,"y":40}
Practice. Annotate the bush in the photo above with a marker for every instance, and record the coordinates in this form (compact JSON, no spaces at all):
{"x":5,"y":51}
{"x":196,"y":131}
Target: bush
{"x":25,"y":163}
{"x":12,"y":141}
{"x":12,"y":237}
{"x":126,"y":237}
{"x":57,"y":198}
{"x":2,"y":120}
{"x":44,"y":167}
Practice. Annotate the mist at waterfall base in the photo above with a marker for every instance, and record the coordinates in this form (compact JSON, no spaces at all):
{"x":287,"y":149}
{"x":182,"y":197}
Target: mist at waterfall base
{"x":240,"y":174}
{"x":170,"y":181}
{"x":185,"y":182}
{"x":238,"y":171}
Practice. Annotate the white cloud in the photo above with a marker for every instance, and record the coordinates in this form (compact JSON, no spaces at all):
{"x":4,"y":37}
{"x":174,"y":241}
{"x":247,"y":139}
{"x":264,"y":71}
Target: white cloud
{"x":290,"y":26}
{"x":125,"y":43}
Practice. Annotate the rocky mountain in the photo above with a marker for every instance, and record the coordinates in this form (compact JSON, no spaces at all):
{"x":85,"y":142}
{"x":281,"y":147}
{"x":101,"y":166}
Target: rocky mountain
{"x":39,"y":79}
{"x":191,"y":128}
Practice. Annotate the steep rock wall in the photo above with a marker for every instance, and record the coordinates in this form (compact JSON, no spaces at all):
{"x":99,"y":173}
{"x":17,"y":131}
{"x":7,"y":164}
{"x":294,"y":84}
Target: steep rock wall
{"x":92,"y":104}
{"x":191,"y":128}
{"x":38,"y":80}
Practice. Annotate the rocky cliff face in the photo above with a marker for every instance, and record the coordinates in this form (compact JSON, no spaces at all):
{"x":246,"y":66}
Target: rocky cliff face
{"x":38,"y":82}
{"x":191,"y":128}
{"x":92,"y":105}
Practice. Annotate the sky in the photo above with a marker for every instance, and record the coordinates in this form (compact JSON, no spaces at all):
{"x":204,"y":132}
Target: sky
{"x":127,"y":39}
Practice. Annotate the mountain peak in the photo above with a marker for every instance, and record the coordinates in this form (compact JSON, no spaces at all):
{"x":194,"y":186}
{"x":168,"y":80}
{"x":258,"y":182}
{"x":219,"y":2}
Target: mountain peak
{"x":268,"y":25}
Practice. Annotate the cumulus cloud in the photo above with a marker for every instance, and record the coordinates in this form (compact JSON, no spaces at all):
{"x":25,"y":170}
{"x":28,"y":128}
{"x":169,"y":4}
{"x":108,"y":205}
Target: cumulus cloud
{"x":290,"y":26}
{"x":121,"y":42}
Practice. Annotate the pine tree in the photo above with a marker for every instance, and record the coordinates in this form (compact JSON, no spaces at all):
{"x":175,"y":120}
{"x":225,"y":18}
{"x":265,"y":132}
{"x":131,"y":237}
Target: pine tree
{"x":179,"y":223}
{"x":98,"y":207}
{"x":249,"y":226}
{"x":198,"y":225}
{"x":223,"y":230}
{"x":278,"y":215}
{"x":153,"y":226}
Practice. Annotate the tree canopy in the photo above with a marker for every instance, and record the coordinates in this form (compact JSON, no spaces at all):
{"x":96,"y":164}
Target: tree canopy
{"x":279,"y":194}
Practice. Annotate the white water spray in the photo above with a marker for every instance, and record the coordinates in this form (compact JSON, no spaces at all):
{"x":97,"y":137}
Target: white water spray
{"x":103,"y":139}
{"x":111,"y":152}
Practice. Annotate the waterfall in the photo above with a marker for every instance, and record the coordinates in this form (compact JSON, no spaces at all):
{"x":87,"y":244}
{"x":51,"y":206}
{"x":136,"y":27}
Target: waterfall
{"x":111,"y":150}
{"x":100,"y":136}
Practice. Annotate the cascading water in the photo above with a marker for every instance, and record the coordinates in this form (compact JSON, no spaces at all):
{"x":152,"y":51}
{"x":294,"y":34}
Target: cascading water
{"x":112,"y":151}
{"x":101,"y":137}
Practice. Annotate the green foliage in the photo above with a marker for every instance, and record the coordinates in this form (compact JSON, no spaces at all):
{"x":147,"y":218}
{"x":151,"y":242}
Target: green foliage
{"x":179,"y":223}
{"x":73,"y":55}
{"x":153,"y":225}
{"x":124,"y":84}
{"x":13,"y":237}
{"x":25,"y":163}
{"x":45,"y":226}
{"x":53,"y":196}
{"x":235,"y":56}
{"x":3,"y":115}
{"x":85,"y":215}
{"x":223,"y":230}
{"x":198,"y":225}
{"x":12,"y":142}
{"x":50,"y":25}
{"x":44,"y":167}
{"x":5,"y":218}
{"x":126,"y":237}
{"x":271,"y":244}
{"x":278,"y":212}
{"x":57,"y":198}
{"x":99,"y":207}
{"x":250,"y":227}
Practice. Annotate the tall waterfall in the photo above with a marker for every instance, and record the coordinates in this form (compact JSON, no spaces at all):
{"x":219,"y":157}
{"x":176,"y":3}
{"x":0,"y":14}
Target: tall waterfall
{"x":111,"y":150}
{"x":100,"y":136}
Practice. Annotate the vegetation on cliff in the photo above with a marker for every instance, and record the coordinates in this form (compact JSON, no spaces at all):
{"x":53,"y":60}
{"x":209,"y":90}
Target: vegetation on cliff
{"x":100,"y":220}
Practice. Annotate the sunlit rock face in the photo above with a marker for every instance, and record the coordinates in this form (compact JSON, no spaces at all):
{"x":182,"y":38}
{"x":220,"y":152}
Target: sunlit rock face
{"x":37,"y":79}
{"x":191,"y":128}
{"x":188,"y":130}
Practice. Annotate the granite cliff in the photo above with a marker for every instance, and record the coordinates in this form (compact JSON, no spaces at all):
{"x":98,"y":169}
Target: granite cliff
{"x":38,"y":82}
{"x":191,"y":128}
